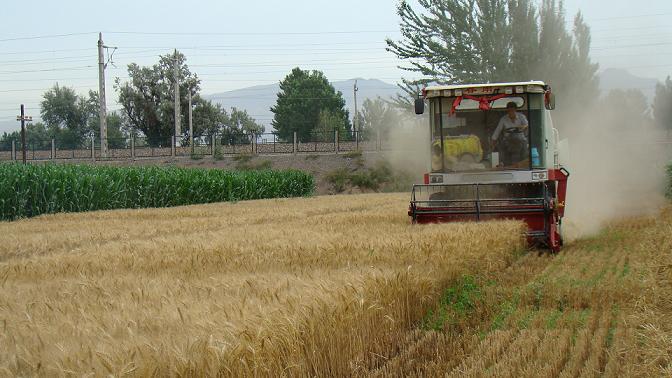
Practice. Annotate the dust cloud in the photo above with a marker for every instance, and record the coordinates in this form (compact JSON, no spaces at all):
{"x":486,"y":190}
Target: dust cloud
{"x":408,"y":148}
{"x":617,"y":169}
{"x":617,"y":164}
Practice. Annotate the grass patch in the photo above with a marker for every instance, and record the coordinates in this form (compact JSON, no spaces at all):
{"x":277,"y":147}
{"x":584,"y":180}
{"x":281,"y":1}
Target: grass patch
{"x":457,"y":302}
{"x":553,"y":318}
{"x":380,"y":178}
{"x":261,"y":165}
{"x":352,"y":154}
{"x":242,"y":158}
{"x":246,"y":162}
{"x":669,"y":181}
{"x":507,"y":309}
{"x":612,"y":325}
{"x":625,"y":271}
{"x":524,"y":322}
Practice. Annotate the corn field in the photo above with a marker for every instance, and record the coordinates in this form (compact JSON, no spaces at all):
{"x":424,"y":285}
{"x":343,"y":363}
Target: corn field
{"x":327,"y":286}
{"x":31,"y":190}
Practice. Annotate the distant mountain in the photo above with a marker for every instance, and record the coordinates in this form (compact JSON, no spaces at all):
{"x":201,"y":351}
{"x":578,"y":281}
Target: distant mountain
{"x":258,"y":100}
{"x":614,"y":78}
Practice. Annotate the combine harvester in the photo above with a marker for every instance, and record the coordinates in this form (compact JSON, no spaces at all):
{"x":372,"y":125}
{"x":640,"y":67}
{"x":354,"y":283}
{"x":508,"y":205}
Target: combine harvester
{"x":494,"y":155}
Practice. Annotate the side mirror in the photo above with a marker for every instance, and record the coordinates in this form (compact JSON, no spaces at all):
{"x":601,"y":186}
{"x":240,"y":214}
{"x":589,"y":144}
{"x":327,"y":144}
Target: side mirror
{"x":549,"y":99}
{"x":419,"y":106}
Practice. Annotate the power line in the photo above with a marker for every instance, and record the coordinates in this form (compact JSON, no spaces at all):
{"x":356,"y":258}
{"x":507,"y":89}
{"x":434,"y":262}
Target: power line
{"x":629,"y":17}
{"x":633,"y":45}
{"x":41,"y":51}
{"x":35,"y":89}
{"x":47,"y":60}
{"x":629,"y":28}
{"x":256,"y":33}
{"x":49,"y":79}
{"x":48,"y":70}
{"x":242,"y":48}
{"x":45,"y":36}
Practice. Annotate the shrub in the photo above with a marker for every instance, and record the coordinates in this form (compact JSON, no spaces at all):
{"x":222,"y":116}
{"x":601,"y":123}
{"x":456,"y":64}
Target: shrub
{"x":381,"y":177}
{"x":249,"y":165}
{"x":31,"y":190}
{"x":242,"y":158}
{"x":339,"y":179}
{"x":669,"y":181}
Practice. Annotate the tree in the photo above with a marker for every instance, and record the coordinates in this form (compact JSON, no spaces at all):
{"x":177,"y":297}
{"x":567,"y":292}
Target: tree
{"x":208,"y":118}
{"x":328,"y":123}
{"x":624,"y":110}
{"x":662,"y":105}
{"x":377,"y":116}
{"x":303,"y":96}
{"x":148,"y":99}
{"x":37,"y":137}
{"x":482,"y":41}
{"x":240,"y":123}
{"x":117,"y":135}
{"x":67,"y":115}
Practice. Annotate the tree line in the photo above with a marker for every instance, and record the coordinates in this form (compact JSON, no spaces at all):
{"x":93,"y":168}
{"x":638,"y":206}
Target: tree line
{"x":147,"y":110}
{"x":442,"y":42}
{"x":486,"y":41}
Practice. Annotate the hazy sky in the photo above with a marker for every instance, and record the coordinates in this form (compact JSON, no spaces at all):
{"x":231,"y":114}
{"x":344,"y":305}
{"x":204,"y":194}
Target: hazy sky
{"x":238,"y":44}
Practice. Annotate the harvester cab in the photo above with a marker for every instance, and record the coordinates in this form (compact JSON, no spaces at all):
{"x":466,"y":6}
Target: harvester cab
{"x":494,"y":155}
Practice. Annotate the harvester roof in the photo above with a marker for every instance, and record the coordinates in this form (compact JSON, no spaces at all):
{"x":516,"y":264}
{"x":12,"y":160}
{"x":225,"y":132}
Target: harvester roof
{"x":493,"y":88}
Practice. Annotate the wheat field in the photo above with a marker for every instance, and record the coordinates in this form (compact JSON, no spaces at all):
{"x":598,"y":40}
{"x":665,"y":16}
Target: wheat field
{"x":327,"y":286}
{"x":311,"y":286}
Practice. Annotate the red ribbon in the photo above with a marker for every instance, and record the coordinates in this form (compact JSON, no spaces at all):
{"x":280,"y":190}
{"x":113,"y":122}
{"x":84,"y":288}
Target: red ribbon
{"x":483,"y":102}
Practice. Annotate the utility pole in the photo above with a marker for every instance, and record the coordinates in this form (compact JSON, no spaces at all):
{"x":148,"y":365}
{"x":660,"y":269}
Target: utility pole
{"x":191,"y":124}
{"x":101,"y":97}
{"x":178,"y":130}
{"x":23,"y":118}
{"x":356,"y":114}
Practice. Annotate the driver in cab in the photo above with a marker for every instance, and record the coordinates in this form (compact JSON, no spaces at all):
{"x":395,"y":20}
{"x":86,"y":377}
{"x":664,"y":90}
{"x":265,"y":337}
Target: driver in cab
{"x":512,"y":129}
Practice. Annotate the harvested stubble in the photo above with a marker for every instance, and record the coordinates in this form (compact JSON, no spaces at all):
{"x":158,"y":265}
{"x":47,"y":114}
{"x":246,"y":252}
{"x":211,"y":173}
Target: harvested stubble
{"x":307,"y":287}
{"x":603,"y":307}
{"x":31,"y":190}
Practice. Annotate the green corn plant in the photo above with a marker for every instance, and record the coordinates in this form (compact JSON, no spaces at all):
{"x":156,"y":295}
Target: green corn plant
{"x":31,"y":190}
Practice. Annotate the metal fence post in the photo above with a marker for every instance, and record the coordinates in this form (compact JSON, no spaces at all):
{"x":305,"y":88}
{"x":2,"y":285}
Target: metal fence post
{"x":213,"y":141}
{"x":53,"y":149}
{"x":133,"y":147}
{"x":357,"y":133}
{"x":93,"y":148}
{"x":336,"y":142}
{"x":254,"y":143}
{"x":294,"y":146}
{"x":172,"y":145}
{"x":13,"y":150}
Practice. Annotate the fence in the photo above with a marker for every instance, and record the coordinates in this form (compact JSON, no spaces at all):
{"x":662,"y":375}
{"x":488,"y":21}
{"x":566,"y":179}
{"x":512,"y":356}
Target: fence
{"x":207,"y":145}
